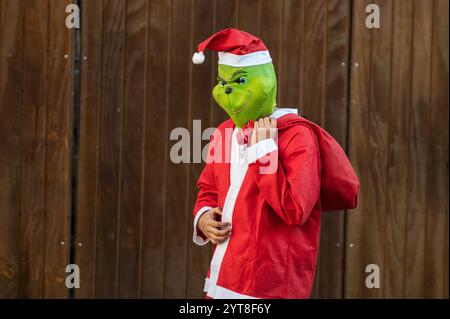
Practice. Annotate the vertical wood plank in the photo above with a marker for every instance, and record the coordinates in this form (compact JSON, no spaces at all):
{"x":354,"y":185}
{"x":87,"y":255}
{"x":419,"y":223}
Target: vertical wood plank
{"x":58,"y":151}
{"x":155,"y":150}
{"x":198,"y":257}
{"x":397,"y":170}
{"x":109,"y":148}
{"x":437,"y":179}
{"x":11,"y":72}
{"x":179,"y":104}
{"x":91,"y":83}
{"x":331,"y":261}
{"x":289,"y":75}
{"x":226,"y":14}
{"x":248,"y":16}
{"x":132,"y":142}
{"x":358,"y":148}
{"x":313,"y":59}
{"x":270,"y":15}
{"x":379,"y":111}
{"x":415,"y":253}
{"x":397,"y":176}
{"x":32,"y":227}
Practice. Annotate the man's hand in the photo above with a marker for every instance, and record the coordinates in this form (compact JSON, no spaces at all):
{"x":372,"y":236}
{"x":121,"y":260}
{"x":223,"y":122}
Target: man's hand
{"x":264,"y":128}
{"x":217,"y":232}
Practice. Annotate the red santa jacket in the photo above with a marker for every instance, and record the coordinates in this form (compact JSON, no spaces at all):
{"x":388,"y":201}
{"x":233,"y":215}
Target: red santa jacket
{"x":275,"y":214}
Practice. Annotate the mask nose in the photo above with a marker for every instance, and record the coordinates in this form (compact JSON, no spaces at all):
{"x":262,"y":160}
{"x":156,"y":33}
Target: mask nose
{"x":228,"y":90}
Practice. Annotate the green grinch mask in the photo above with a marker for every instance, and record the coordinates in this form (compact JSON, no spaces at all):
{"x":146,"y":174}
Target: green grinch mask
{"x":246,"y":93}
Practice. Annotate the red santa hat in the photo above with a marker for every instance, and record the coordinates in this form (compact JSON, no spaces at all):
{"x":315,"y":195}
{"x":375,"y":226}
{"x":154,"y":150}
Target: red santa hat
{"x":235,"y":47}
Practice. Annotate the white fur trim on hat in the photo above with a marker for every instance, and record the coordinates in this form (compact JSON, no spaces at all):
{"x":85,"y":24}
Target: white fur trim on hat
{"x":255,"y":58}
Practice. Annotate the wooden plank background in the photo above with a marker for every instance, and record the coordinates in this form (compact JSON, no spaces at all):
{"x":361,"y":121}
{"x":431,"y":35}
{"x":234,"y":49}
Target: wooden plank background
{"x":381,"y":92}
{"x":35,"y":126}
{"x":398,"y":143}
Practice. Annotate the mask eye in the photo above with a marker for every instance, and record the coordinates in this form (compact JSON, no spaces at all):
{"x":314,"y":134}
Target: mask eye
{"x":242,"y":80}
{"x":222,"y":83}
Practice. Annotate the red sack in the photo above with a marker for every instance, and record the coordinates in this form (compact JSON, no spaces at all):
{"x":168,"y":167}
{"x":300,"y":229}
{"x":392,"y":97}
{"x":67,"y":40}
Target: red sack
{"x":339,"y":183}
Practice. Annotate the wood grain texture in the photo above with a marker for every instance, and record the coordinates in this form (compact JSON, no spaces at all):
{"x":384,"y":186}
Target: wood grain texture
{"x":378,"y":139}
{"x":90,"y":99}
{"x":290,"y":73}
{"x":156,"y":149}
{"x":176,"y":212}
{"x":396,"y":209}
{"x":11,"y":73}
{"x":270,"y":13}
{"x":248,"y":16}
{"x":200,"y":100}
{"x":335,"y":120}
{"x":58,"y":152}
{"x":33,"y":171}
{"x":38,"y":111}
{"x":415,"y":253}
{"x":313,"y":78}
{"x":135,"y":95}
{"x":358,"y":149}
{"x":109,"y":169}
{"x":436,"y":267}
{"x":395,"y":135}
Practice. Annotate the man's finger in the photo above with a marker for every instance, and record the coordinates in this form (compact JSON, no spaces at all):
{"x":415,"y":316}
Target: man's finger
{"x":267,"y":125}
{"x":261,"y":123}
{"x":217,"y":224}
{"x":273,"y":128}
{"x":273,"y":132}
{"x":219,"y":232}
{"x":261,"y":130}
{"x":217,"y":239}
{"x":255,"y":133}
{"x":273,"y":123}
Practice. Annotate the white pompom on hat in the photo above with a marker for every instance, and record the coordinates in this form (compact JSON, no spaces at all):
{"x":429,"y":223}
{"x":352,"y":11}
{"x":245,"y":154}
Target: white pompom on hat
{"x":198,"y":57}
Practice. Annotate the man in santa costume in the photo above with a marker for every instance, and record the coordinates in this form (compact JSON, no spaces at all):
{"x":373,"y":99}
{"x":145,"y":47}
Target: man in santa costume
{"x":269,"y":175}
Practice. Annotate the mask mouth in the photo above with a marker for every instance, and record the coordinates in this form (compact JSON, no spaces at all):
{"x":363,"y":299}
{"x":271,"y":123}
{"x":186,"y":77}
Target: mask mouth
{"x":239,"y":110}
{"x":243,"y":107}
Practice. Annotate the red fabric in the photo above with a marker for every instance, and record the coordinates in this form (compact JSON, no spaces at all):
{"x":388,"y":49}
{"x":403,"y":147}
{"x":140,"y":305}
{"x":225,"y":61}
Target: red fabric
{"x":340,"y":185}
{"x":232,"y":41}
{"x":244,"y":134}
{"x":276,"y":219}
